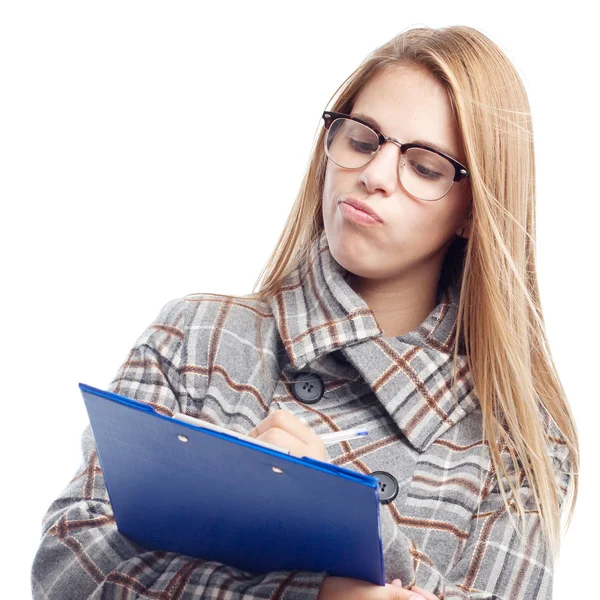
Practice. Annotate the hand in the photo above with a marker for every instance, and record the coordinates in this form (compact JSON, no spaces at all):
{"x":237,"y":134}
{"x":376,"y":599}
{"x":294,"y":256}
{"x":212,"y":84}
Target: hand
{"x":427,"y":595}
{"x":419,"y":591}
{"x":346,"y":588}
{"x":287,"y":431}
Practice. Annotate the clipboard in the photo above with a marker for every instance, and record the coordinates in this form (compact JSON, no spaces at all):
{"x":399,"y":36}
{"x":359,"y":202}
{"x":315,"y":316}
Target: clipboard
{"x":183,"y":488}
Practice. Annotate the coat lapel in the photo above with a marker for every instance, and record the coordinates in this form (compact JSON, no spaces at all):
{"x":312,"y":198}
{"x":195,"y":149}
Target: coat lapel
{"x":317,"y":312}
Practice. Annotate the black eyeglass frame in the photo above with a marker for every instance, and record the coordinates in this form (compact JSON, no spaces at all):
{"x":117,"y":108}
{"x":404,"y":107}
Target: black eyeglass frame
{"x":460,"y":171}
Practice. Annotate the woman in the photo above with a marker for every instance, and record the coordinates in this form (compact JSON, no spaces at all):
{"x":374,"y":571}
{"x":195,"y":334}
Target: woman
{"x":421,"y":321}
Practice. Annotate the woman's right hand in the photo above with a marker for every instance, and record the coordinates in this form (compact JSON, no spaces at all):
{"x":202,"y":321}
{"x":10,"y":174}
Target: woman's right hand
{"x":346,"y":588}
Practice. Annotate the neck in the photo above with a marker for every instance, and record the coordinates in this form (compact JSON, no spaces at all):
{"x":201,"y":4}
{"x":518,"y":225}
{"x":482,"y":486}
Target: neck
{"x":399,"y":306}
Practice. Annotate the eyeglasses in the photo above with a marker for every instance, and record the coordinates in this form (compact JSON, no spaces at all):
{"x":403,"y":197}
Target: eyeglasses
{"x":425,"y":173}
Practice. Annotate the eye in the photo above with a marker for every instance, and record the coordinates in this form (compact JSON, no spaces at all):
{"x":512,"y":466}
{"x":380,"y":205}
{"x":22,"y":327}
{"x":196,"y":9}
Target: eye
{"x":366,"y":147}
{"x":424,"y":171}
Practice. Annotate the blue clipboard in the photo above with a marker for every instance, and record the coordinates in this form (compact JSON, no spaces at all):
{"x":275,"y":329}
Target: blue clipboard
{"x":219,"y":497}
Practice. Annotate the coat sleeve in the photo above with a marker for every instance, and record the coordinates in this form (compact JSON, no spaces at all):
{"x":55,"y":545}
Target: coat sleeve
{"x":82,"y":555}
{"x":495,"y":564}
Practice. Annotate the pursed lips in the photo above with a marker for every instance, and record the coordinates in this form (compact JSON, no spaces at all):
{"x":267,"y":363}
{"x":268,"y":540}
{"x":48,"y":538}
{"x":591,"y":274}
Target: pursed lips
{"x":362,"y":207}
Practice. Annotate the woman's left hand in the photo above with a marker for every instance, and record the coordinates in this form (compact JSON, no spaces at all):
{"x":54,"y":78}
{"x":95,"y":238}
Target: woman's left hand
{"x":424,"y":593}
{"x":287,"y":431}
{"x":415,"y":588}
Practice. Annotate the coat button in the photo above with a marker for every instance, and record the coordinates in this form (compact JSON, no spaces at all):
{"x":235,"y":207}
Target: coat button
{"x":307,"y":387}
{"x":388,"y":486}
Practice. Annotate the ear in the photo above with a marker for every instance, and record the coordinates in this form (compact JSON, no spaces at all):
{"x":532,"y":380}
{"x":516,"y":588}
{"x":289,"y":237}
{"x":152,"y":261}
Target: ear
{"x":466,"y":225}
{"x":467,"y":222}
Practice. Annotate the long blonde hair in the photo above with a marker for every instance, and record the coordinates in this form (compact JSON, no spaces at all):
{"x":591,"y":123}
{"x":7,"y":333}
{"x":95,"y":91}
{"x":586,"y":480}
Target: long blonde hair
{"x":499,"y":308}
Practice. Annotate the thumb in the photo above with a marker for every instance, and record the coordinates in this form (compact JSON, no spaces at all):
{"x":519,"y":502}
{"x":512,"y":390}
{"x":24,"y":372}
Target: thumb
{"x":397,"y":592}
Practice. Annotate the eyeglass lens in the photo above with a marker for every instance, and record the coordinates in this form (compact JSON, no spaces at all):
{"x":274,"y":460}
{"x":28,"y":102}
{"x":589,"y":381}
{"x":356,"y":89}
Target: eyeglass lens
{"x":426,"y":175}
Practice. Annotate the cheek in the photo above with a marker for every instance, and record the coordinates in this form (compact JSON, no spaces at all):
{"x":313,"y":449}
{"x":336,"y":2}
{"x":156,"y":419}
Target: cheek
{"x":329,"y":187}
{"x":416,"y":229}
{"x":433,"y":217}
{"x":333,"y":187}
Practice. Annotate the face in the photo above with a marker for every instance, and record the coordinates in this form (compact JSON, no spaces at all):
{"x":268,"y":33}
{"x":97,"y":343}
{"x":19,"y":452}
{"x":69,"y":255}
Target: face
{"x":408,"y":105}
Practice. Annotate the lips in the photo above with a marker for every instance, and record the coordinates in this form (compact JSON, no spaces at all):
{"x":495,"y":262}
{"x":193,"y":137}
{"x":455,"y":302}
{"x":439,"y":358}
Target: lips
{"x":362,"y":206}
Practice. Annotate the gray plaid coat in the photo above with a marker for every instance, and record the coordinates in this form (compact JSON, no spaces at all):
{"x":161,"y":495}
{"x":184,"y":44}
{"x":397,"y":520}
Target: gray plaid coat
{"x":446,"y":529}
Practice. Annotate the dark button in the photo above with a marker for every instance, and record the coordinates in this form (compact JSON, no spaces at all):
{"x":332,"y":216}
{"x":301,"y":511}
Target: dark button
{"x":307,"y":387}
{"x":388,"y":486}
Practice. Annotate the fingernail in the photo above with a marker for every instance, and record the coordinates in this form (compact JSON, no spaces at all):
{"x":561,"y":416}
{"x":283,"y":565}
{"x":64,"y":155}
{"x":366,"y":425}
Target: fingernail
{"x":396,"y":582}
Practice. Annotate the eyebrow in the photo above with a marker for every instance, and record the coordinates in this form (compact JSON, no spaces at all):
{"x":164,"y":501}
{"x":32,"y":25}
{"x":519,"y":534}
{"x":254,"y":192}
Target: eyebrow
{"x":375,"y":124}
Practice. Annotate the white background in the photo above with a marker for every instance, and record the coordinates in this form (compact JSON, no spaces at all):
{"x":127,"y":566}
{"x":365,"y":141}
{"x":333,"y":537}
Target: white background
{"x":149,"y":150}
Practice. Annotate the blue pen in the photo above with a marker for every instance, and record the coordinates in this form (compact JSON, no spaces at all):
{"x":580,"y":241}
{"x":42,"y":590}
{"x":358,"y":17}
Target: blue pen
{"x":342,"y":436}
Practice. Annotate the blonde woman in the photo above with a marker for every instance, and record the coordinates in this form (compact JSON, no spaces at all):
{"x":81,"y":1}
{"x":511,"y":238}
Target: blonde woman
{"x":402,"y":296}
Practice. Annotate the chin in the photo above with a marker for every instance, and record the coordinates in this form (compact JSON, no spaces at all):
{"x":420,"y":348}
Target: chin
{"x":348,"y":257}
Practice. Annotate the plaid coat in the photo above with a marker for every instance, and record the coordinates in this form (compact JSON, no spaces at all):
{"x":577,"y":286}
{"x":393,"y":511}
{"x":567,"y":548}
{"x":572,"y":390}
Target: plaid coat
{"x":446,"y":528}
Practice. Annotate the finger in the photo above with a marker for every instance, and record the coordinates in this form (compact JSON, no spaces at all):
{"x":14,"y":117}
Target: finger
{"x":298,"y":448}
{"x":284,"y":439}
{"x":288,"y":422}
{"x":317,"y":450}
{"x":427,"y":595}
{"x":399,"y":593}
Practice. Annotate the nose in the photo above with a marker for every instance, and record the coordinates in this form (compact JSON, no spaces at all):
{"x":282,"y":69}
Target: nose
{"x":397,"y":143}
{"x":383,"y":170}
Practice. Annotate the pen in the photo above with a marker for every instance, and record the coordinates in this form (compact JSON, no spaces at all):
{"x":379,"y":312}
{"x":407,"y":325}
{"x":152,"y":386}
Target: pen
{"x":341,"y":436}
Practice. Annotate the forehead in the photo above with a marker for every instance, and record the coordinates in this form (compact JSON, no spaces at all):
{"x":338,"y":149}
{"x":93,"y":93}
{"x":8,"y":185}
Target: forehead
{"x":410,"y":104}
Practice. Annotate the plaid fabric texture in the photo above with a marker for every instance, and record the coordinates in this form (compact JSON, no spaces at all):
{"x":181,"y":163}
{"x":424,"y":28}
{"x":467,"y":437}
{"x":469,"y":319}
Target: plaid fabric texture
{"x":447,"y":530}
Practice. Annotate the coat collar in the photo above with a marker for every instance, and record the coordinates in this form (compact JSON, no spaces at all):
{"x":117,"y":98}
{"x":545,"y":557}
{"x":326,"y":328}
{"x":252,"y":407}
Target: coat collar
{"x":317,"y":312}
